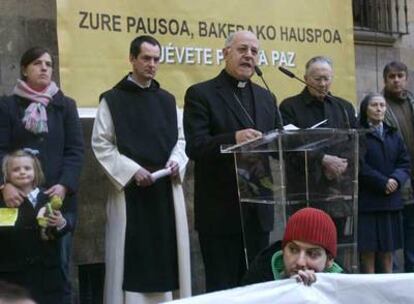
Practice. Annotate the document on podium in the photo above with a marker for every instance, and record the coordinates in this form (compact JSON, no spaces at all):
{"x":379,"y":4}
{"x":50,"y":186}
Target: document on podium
{"x":265,"y":138}
{"x":290,"y":127}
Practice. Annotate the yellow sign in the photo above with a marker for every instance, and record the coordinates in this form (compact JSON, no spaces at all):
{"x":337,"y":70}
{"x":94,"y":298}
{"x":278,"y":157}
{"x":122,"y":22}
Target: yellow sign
{"x":8,"y":216}
{"x":94,"y":38}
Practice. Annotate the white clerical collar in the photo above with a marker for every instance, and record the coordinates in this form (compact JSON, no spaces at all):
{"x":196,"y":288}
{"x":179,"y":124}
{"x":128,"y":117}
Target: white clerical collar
{"x":32,"y":196}
{"x":241,"y":84}
{"x":130,"y":78}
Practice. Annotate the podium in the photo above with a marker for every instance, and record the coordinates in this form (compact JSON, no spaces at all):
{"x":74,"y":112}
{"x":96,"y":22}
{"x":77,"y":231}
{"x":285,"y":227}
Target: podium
{"x":283,"y":172}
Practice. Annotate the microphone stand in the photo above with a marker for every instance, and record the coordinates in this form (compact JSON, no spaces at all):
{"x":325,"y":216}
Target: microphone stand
{"x":279,"y":116}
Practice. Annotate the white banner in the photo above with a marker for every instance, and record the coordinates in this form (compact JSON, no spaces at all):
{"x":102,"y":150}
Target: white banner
{"x":329,"y":288}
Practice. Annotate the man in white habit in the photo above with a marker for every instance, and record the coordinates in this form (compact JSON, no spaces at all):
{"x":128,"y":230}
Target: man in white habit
{"x":138,"y":131}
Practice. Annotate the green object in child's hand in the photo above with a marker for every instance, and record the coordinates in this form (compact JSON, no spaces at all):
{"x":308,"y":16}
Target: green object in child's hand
{"x":42,"y":221}
{"x":56,"y":202}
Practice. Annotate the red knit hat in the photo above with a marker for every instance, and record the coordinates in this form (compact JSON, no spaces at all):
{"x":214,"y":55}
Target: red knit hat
{"x":313,"y":226}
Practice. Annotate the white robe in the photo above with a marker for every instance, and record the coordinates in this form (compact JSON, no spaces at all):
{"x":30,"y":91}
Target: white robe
{"x":120,"y":170}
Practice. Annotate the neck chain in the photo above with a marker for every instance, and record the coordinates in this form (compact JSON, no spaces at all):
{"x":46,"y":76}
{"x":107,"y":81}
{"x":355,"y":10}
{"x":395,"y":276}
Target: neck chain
{"x":244,"y":109}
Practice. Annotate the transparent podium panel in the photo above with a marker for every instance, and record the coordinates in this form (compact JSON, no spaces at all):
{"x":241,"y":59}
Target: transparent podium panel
{"x":285,"y":171}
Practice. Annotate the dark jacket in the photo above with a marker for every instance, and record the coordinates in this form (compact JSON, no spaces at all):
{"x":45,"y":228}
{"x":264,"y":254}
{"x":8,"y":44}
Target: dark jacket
{"x":211,"y":118}
{"x":60,"y":150}
{"x":26,"y":259}
{"x":391,"y":120}
{"x":304,"y":111}
{"x":297,"y":110}
{"x":384,"y":158}
{"x":260,"y":270}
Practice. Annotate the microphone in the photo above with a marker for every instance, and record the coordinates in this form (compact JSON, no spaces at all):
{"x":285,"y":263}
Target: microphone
{"x":258,"y":71}
{"x":287,"y":72}
{"x":279,"y":117}
{"x":332,"y":98}
{"x":291,"y":75}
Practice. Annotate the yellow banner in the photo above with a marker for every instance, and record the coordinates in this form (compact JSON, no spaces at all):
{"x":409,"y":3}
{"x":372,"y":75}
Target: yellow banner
{"x":94,"y":38}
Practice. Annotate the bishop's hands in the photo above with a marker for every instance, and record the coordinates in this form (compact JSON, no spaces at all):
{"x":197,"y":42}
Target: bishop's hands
{"x":247,"y":134}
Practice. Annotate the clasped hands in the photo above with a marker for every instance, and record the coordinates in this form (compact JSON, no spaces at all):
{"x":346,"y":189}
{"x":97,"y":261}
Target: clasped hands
{"x":334,"y":166}
{"x":391,"y":186}
{"x":305,"y":276}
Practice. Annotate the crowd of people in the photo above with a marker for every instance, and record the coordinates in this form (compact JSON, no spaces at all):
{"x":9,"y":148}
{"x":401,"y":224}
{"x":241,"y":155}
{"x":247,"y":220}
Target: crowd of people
{"x":143,"y":142}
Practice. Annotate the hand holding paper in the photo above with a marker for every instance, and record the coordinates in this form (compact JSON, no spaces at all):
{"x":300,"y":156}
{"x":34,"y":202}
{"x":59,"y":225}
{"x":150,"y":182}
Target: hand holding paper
{"x":160,"y":173}
{"x":173,"y":165}
{"x":143,"y":178}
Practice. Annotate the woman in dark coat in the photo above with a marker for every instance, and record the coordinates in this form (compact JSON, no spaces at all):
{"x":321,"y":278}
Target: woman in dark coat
{"x":384,"y":169}
{"x":39,"y":116}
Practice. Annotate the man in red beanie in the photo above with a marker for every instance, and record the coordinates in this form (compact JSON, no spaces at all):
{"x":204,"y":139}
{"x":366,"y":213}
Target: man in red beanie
{"x":308,"y":247}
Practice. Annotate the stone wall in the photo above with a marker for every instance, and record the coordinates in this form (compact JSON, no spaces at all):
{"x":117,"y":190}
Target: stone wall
{"x":371,"y":57}
{"x":23,"y":24}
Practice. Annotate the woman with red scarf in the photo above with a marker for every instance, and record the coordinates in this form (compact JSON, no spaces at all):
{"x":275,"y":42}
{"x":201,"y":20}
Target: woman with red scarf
{"x":39,"y":116}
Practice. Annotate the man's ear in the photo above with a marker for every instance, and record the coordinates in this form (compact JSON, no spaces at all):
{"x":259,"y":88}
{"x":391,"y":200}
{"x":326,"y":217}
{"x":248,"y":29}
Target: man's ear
{"x":225,"y":51}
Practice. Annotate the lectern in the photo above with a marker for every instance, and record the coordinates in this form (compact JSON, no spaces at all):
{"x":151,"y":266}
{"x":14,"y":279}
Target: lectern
{"x":283,"y":171}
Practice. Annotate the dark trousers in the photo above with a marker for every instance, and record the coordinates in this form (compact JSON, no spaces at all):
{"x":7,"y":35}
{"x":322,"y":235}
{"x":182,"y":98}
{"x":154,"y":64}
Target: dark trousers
{"x":91,"y":283}
{"x":66,"y":247}
{"x":408,"y":224}
{"x":224,"y":257}
{"x":45,"y":285}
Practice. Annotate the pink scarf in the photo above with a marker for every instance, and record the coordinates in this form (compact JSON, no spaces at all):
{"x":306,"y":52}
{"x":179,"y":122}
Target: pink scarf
{"x":35,"y":117}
